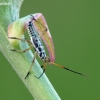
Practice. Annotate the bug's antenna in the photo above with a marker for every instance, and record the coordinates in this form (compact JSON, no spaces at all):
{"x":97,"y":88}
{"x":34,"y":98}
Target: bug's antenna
{"x":69,"y":69}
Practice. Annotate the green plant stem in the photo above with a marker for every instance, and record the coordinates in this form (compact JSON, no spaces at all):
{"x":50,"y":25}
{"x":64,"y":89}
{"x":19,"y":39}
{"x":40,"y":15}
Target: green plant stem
{"x":41,"y":89}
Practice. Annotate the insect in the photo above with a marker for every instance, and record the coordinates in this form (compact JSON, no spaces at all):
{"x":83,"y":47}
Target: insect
{"x":36,"y":43}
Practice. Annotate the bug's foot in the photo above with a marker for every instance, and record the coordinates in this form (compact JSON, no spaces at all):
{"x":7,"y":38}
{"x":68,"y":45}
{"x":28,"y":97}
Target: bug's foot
{"x":42,"y":66}
{"x":33,"y":17}
{"x":37,"y":77}
{"x":25,"y":38}
{"x":12,"y":37}
{"x":27,"y":75}
{"x":12,"y":49}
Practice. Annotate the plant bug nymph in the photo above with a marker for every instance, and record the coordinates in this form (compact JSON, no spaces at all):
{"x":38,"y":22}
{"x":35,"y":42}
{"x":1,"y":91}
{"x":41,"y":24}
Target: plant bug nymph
{"x":36,"y":43}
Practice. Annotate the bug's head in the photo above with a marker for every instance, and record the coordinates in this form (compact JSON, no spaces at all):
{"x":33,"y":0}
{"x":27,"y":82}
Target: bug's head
{"x":47,"y":59}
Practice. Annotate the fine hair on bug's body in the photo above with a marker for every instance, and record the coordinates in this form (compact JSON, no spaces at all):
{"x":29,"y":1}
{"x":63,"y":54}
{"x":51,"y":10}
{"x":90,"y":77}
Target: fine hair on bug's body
{"x":35,"y":41}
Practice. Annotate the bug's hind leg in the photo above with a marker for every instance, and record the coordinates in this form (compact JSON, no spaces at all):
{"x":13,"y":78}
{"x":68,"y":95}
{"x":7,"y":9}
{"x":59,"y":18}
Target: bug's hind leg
{"x":44,"y":67}
{"x":22,"y":51}
{"x":28,"y":41}
{"x":38,"y":22}
{"x":41,"y":25}
{"x":31,"y":65}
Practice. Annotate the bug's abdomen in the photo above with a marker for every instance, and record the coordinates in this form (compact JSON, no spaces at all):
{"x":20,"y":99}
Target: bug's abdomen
{"x":39,"y":47}
{"x":36,"y":41}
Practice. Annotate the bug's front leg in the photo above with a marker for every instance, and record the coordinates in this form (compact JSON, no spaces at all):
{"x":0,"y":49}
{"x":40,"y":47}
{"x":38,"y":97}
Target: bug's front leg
{"x":31,"y":65}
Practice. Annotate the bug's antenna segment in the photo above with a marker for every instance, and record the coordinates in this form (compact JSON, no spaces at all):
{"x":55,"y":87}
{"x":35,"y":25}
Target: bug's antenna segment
{"x":69,"y":69}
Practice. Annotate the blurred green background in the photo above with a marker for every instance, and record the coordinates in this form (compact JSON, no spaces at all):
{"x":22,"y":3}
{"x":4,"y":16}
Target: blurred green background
{"x":75,"y":28}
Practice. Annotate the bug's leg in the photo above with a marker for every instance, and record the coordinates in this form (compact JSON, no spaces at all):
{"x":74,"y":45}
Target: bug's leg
{"x":44,"y":67}
{"x":31,"y":65}
{"x":38,"y":21}
{"x":28,"y":41}
{"x":41,"y":25}
{"x":40,"y":35}
{"x":22,"y":51}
